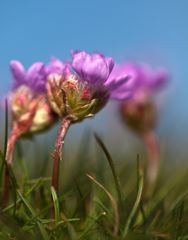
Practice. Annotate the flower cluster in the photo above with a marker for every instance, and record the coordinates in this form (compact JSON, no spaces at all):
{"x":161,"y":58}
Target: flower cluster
{"x":75,"y":90}
{"x":79,"y":88}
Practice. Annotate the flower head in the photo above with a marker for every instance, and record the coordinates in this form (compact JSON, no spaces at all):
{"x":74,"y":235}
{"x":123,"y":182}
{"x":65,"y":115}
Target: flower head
{"x":34,"y":78}
{"x":28,"y":102}
{"x":140,"y":111}
{"x":80,"y":90}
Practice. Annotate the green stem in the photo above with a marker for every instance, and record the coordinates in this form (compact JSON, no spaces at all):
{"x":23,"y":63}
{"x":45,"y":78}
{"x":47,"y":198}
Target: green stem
{"x":9,"y":161}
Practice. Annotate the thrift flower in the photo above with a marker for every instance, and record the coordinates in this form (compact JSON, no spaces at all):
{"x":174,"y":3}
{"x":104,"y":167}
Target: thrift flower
{"x":78,"y":90}
{"x":139,"y":112}
{"x":28,"y":102}
{"x":29,"y":107}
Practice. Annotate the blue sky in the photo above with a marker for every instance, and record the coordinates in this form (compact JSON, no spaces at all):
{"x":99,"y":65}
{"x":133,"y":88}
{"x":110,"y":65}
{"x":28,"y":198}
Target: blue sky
{"x":146,"y":30}
{"x":154,"y":31}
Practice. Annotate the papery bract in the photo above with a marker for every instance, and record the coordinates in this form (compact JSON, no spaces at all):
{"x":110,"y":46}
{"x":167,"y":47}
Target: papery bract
{"x":74,"y":99}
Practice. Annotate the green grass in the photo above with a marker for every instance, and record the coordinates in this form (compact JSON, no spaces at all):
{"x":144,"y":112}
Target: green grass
{"x":105,"y":201}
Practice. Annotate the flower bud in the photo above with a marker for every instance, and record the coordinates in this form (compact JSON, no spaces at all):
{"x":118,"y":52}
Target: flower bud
{"x":30,"y":112}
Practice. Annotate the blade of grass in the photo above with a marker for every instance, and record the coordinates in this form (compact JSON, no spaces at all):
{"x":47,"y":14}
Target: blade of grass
{"x":47,"y":221}
{"x":93,"y":221}
{"x":101,"y":205}
{"x":6,"y":128}
{"x":31,"y":210}
{"x":5,"y":140}
{"x":152,"y":215}
{"x":143,"y":213}
{"x":56,"y":204}
{"x":115,"y":176}
{"x":178,"y":232}
{"x":22,"y":163}
{"x":44,"y":210}
{"x":12,"y":228}
{"x":180,"y":198}
{"x":137,"y":202}
{"x":113,"y":203}
{"x":36,"y":185}
{"x":14,"y":184}
{"x":2,"y":163}
{"x":71,"y":230}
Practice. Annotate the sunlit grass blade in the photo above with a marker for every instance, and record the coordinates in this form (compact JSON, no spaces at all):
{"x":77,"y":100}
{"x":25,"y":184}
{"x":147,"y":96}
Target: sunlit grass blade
{"x":56,"y":204}
{"x":137,"y":202}
{"x":47,"y":221}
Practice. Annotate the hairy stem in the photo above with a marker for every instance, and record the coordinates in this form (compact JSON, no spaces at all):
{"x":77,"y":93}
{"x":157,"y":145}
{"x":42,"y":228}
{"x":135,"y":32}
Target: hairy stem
{"x":57,"y":156}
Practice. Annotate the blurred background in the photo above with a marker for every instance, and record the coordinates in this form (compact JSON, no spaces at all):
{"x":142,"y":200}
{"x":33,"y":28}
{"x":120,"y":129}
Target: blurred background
{"x":148,"y":31}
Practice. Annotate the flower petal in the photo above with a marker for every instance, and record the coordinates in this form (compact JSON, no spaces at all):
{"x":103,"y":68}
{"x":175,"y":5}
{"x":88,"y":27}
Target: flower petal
{"x":18,"y":73}
{"x":122,"y":81}
{"x":121,"y":95}
{"x":160,"y":79}
{"x":36,"y":77}
{"x":94,"y":68}
{"x":110,"y":63}
{"x":55,"y":66}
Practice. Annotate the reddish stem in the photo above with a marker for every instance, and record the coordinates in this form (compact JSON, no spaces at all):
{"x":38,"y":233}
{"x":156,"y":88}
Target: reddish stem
{"x":57,"y":156}
{"x":153,"y":152}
